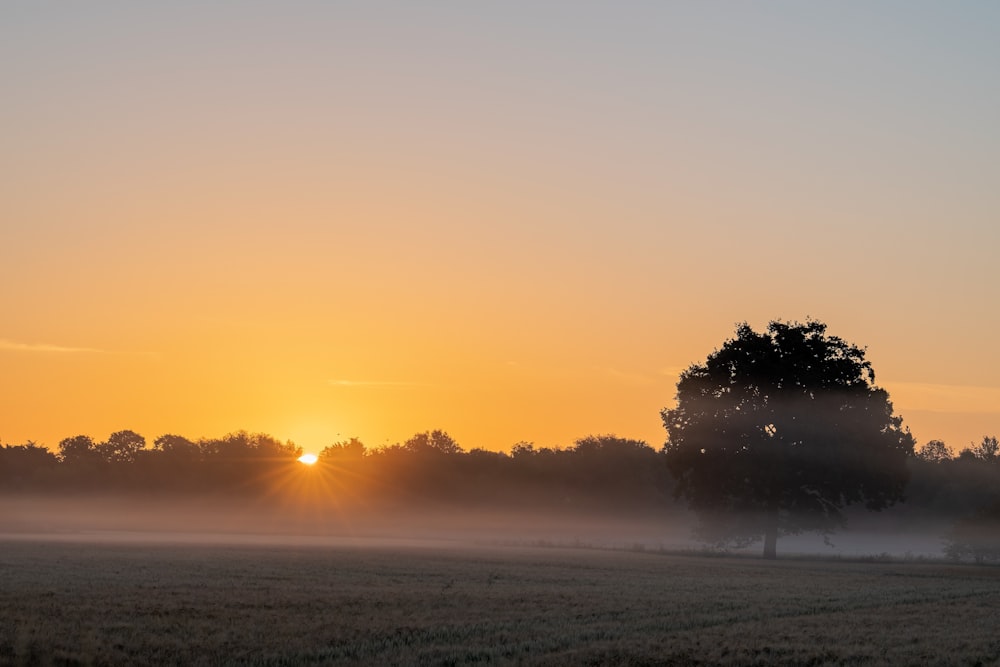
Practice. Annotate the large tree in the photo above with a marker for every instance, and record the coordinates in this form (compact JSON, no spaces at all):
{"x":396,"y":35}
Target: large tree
{"x":778,"y":431}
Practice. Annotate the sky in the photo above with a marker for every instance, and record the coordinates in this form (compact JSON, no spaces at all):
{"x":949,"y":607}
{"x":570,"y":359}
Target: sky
{"x":512,"y":221}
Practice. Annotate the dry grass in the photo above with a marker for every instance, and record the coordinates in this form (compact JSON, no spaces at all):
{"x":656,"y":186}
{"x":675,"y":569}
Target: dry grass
{"x":115,"y":604}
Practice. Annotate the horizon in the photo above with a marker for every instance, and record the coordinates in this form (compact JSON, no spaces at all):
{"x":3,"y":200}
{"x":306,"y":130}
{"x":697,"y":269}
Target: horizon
{"x":326,"y":222}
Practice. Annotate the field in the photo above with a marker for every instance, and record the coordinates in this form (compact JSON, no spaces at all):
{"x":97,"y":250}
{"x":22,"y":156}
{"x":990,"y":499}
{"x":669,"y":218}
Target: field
{"x":140,"y":603}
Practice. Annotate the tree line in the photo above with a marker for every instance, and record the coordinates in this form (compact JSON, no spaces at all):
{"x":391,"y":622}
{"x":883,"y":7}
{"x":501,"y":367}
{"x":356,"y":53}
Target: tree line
{"x":596,"y":472}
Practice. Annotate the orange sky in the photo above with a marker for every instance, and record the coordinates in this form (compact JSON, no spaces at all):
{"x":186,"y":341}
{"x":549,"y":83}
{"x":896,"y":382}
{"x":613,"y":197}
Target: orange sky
{"x":327,"y":222}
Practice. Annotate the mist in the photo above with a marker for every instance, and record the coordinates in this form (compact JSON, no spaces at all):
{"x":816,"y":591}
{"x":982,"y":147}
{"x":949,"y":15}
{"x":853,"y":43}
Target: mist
{"x":605,"y":492}
{"x":122,"y":518}
{"x":129,"y":518}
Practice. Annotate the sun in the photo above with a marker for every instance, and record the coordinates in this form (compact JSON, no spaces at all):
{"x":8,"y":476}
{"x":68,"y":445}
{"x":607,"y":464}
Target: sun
{"x":308,"y":459}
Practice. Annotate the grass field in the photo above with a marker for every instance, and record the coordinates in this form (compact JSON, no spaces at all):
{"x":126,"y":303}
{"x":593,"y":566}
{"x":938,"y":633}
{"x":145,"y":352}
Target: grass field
{"x":201,"y":604}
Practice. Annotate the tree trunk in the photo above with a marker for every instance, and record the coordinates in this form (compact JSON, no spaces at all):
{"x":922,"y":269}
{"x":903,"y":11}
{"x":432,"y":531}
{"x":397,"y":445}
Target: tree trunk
{"x":771,"y":536}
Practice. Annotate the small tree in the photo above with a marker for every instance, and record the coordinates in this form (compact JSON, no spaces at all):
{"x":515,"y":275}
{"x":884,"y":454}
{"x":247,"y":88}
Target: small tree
{"x":934,"y":451}
{"x":778,"y":431}
{"x":987,"y":451}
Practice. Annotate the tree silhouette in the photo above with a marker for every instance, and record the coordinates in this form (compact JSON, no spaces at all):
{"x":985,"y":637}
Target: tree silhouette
{"x":245,"y":460}
{"x":987,"y":451}
{"x":122,"y":447}
{"x":934,"y":451}
{"x":176,"y":446}
{"x":174,"y":463}
{"x":778,"y":431}
{"x":616,"y":471}
{"x":21,"y":466}
{"x":432,"y":441}
{"x":346,"y":451}
{"x":80,"y":449}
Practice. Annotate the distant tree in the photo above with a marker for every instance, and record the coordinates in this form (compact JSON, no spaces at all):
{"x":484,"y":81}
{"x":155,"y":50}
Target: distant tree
{"x":244,"y":461}
{"x":611,"y":471}
{"x":432,"y":441}
{"x":122,"y":447}
{"x":523,"y":449}
{"x":176,"y":446}
{"x":610,"y":444}
{"x":934,"y":451}
{"x":244,"y":446}
{"x":22,"y":466}
{"x":778,"y":431}
{"x":174,"y":462}
{"x":481,"y":476}
{"x":987,"y":451}
{"x":344,"y":451}
{"x":79,"y":449}
{"x":486,"y":455}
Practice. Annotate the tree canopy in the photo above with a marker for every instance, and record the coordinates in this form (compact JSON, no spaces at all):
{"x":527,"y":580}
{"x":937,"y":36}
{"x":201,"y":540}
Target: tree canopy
{"x":779,"y":430}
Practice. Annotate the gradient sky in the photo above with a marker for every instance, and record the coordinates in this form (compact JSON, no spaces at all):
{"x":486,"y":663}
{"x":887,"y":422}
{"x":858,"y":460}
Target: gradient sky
{"x":512,"y":221}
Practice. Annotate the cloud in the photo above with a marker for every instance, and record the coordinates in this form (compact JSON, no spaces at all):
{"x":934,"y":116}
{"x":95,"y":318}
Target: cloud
{"x":952,"y":398}
{"x":14,"y":346}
